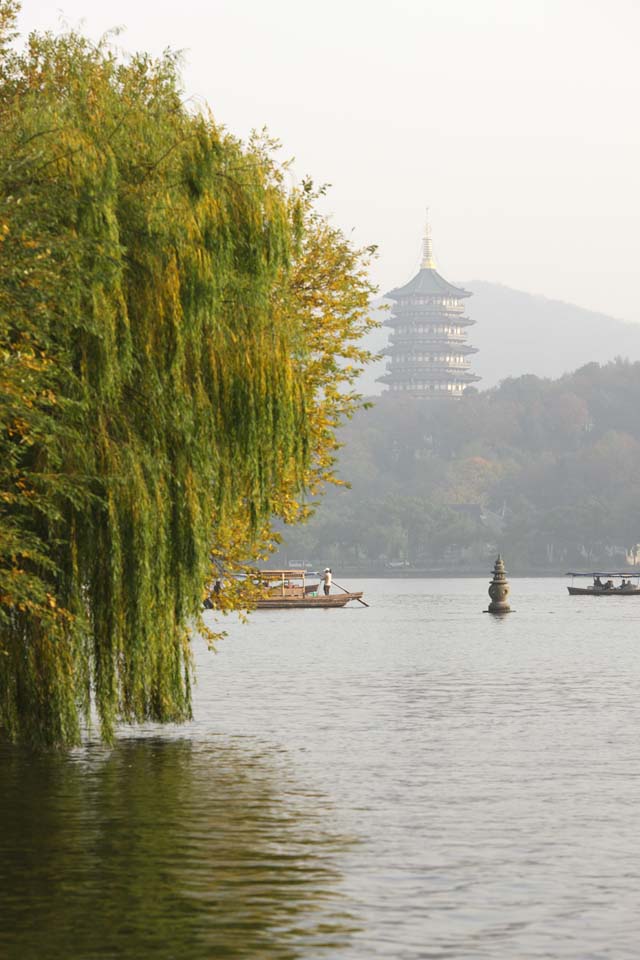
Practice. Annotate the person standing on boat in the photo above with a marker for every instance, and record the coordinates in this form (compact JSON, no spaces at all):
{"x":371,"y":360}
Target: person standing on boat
{"x":326,"y":577}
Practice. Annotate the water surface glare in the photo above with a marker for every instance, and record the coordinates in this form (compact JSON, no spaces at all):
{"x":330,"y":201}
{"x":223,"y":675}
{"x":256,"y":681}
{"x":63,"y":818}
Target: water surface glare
{"x":413,"y":780}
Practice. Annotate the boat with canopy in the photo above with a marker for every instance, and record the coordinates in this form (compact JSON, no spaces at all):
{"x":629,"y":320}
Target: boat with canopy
{"x":604,"y":585}
{"x":288,"y":589}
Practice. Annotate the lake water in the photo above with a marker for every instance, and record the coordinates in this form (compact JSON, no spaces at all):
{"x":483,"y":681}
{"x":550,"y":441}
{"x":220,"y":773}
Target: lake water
{"x":413,"y":780}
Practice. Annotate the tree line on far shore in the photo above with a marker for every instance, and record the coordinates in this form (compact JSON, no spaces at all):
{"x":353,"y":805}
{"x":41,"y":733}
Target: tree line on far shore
{"x":547,"y":471}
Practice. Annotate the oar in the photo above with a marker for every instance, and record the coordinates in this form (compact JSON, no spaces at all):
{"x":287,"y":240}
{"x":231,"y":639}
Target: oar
{"x":344,"y":590}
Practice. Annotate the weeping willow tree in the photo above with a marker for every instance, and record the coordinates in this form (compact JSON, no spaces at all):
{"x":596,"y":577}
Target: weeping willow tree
{"x":178,"y":337}
{"x":325,"y":293}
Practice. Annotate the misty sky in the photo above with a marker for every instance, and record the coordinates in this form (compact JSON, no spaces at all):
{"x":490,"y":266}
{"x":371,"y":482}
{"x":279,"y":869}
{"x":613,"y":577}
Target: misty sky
{"x":516,"y":121}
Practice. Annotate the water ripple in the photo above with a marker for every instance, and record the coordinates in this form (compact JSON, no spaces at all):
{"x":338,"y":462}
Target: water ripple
{"x":416,"y":780}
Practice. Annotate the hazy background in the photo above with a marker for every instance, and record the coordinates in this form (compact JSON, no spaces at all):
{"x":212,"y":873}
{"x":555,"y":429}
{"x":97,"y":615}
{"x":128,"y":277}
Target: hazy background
{"x":515,"y":120}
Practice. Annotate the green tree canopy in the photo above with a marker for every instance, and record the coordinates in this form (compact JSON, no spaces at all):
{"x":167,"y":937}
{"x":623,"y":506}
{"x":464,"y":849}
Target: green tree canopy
{"x":164,"y":387}
{"x":545,"y":470}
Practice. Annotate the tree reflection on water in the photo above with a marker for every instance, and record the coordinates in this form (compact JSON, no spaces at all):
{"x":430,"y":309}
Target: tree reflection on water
{"x":165,"y":848}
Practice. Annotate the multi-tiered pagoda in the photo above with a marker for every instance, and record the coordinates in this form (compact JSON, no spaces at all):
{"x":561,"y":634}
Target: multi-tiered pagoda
{"x":428,"y":356}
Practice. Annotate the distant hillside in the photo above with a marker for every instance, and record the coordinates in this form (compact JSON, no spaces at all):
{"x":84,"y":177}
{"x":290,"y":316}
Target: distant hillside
{"x":518,"y":333}
{"x":546,"y":471}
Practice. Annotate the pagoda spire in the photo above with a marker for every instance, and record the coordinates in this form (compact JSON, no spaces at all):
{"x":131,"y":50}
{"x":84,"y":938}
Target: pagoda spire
{"x":428,"y":263}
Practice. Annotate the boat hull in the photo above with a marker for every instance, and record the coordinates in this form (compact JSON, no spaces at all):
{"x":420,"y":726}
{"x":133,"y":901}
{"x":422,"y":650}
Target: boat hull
{"x":590,"y":592}
{"x":307,"y":603}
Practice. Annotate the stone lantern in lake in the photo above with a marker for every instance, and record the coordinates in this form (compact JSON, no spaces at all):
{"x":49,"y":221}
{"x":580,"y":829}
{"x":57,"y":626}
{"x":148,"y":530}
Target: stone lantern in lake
{"x":499,"y":589}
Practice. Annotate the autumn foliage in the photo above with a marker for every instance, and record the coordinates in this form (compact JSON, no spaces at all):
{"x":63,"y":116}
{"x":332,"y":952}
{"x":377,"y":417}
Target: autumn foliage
{"x":178,"y":335}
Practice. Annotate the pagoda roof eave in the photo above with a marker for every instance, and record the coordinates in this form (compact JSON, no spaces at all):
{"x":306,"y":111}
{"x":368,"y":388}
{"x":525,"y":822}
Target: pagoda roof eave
{"x":399,"y":344}
{"x":428,"y":282}
{"x":394,"y":320}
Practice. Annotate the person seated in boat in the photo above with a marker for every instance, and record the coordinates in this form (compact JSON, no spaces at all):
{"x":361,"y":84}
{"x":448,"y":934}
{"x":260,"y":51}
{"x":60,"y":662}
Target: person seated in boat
{"x":326,"y":579}
{"x":609,"y":585}
{"x":597,"y":583}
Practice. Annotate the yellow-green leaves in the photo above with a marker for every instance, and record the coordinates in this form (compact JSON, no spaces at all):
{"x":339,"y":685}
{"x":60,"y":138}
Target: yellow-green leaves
{"x":172,"y":323}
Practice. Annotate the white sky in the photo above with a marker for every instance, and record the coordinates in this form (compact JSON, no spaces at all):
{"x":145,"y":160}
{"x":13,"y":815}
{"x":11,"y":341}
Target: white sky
{"x":516,"y":121}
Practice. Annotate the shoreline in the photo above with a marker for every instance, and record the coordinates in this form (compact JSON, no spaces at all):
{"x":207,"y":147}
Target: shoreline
{"x":408,"y":573}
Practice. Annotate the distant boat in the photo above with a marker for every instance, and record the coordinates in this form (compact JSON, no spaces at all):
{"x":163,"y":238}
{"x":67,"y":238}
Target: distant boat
{"x":287,"y":589}
{"x":606,"y":587}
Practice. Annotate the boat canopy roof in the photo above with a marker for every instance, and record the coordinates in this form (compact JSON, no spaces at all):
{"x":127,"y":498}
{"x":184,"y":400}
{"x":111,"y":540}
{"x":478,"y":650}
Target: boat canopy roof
{"x":606,"y":573}
{"x":282,"y":573}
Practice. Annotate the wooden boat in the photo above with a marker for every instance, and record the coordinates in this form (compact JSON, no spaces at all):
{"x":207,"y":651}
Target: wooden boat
{"x":287,"y":590}
{"x":606,"y":588}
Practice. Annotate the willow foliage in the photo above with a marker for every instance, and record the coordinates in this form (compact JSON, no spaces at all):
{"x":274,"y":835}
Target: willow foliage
{"x":174,"y":325}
